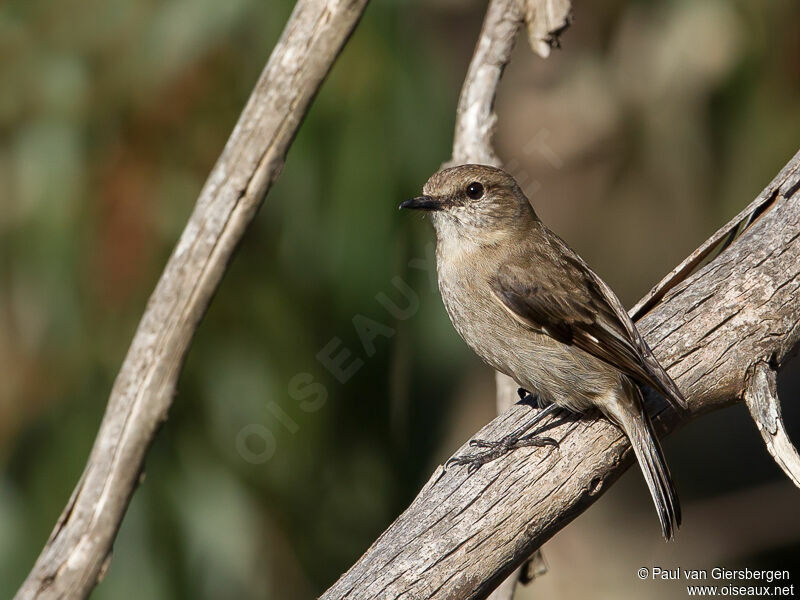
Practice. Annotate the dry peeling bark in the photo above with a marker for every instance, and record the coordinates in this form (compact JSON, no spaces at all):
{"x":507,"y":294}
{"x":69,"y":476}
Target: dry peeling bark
{"x":77,"y":553}
{"x":464,"y":534}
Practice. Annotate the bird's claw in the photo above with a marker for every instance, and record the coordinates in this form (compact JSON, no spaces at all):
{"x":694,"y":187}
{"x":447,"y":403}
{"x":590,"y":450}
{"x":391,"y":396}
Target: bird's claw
{"x":512,"y":442}
{"x":495,"y":450}
{"x":473,"y":461}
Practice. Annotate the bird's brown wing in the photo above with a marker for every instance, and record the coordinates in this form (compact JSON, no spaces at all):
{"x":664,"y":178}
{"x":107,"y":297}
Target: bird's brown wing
{"x":571,"y":304}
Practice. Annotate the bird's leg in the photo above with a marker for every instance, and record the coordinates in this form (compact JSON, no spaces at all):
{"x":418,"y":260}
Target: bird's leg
{"x":526,"y":397}
{"x":512,"y":441}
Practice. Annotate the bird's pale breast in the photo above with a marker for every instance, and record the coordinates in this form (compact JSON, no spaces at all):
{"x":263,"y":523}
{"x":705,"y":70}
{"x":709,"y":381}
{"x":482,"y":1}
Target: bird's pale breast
{"x":556,"y":372}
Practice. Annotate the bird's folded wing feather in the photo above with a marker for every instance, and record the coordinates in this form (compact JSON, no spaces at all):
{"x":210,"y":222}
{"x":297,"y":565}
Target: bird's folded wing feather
{"x":575,"y":307}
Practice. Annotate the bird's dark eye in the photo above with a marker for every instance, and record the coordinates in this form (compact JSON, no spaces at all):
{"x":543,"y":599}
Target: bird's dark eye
{"x":474,"y":190}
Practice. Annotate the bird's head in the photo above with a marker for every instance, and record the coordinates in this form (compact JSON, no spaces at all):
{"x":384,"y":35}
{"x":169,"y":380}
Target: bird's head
{"x":478,"y":202}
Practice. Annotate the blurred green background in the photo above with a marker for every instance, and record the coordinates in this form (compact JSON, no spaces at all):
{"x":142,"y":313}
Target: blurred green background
{"x":654,"y":124}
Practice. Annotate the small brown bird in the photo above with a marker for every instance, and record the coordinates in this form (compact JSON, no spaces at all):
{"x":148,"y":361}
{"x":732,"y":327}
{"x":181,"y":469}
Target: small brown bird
{"x":530,"y":307}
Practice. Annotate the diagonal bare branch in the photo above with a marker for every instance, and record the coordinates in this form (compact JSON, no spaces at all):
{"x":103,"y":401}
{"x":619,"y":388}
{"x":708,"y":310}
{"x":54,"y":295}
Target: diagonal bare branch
{"x":77,"y":553}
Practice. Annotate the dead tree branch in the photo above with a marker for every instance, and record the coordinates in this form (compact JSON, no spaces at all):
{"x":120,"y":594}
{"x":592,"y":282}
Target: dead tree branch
{"x":475,"y":118}
{"x":474,"y":133}
{"x":76,"y":555}
{"x":464,"y":534}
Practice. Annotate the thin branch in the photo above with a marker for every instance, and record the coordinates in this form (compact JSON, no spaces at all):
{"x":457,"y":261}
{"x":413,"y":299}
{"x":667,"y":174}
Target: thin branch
{"x":761,"y":397}
{"x":475,"y":118}
{"x":473,"y":141}
{"x":464,"y":533}
{"x":75,"y":556}
{"x":723,"y":238}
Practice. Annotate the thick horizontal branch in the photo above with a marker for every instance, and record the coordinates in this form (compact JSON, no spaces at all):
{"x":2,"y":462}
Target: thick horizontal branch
{"x":77,"y":552}
{"x":464,"y":533}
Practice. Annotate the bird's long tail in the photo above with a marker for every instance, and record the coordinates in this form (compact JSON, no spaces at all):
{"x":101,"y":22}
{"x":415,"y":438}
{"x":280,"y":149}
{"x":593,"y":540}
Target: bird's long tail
{"x":654,"y":468}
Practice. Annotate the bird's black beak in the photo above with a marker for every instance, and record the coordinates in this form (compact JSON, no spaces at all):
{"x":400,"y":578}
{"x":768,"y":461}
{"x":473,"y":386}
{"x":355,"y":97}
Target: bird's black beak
{"x":422,"y":203}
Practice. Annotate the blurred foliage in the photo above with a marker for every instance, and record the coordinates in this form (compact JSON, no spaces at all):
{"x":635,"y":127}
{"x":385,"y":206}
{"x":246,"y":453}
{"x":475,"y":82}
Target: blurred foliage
{"x":662,"y":118}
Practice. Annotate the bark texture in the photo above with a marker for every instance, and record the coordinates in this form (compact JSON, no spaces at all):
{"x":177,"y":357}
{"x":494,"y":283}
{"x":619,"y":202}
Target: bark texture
{"x":464,"y":534}
{"x":77,"y":553}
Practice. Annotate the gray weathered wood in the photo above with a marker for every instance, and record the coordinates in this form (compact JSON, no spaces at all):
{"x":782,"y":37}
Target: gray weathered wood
{"x":464,"y":534}
{"x":475,"y":117}
{"x":77,"y":553}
